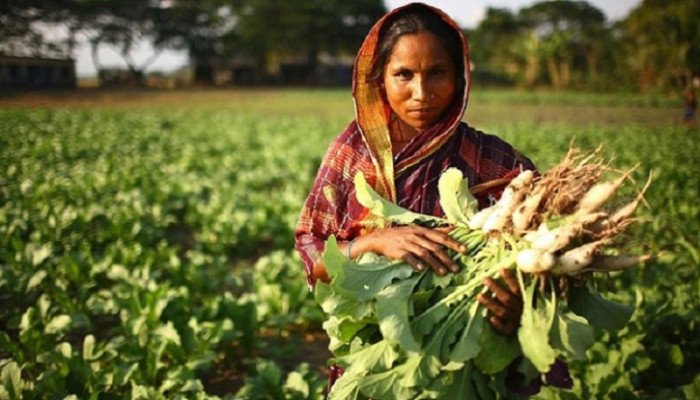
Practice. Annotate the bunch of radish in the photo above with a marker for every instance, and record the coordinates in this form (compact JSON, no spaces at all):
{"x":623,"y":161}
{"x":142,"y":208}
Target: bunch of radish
{"x":561,"y":218}
{"x":401,"y":333}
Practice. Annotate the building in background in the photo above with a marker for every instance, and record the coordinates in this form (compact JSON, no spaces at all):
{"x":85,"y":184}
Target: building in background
{"x":36,"y":73}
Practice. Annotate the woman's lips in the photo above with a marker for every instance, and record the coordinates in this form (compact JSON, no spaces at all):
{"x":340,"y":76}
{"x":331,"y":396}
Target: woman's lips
{"x":420,"y":111}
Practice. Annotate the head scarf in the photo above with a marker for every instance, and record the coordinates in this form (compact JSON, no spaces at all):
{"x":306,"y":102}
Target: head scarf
{"x":373,"y":113}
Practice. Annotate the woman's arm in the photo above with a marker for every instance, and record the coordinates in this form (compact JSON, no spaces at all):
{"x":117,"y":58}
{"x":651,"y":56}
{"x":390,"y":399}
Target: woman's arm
{"x":418,"y":246}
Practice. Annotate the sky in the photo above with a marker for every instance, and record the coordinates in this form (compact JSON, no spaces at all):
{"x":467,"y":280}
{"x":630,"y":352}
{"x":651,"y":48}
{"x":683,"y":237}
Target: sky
{"x":467,"y":13}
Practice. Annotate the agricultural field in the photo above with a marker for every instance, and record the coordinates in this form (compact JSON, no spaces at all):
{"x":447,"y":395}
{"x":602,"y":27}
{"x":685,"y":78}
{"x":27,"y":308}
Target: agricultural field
{"x":146,"y":240}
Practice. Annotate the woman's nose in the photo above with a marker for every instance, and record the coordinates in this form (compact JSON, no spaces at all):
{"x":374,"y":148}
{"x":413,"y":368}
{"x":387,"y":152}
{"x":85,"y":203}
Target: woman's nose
{"x":419,"y":90}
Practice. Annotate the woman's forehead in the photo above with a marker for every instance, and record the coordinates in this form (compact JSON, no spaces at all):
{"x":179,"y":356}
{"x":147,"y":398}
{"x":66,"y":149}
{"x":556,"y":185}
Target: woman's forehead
{"x":421,"y":46}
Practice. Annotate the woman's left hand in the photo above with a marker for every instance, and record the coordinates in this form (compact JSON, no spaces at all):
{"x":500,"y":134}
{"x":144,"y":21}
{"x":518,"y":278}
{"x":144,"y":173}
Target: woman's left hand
{"x":503,"y":302}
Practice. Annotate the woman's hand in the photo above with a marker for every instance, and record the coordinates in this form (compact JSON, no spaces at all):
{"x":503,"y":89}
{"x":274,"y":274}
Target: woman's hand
{"x":504,"y":302}
{"x":418,"y":246}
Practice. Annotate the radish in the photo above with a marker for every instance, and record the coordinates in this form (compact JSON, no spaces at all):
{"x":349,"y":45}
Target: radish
{"x":576,"y":259}
{"x":606,"y":263}
{"x":597,"y":195}
{"x":523,"y":214}
{"x":511,"y":197}
{"x":534,"y":260}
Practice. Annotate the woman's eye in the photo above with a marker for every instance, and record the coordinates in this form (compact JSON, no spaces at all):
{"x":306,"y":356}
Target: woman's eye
{"x":438,"y":72}
{"x":404,"y":75}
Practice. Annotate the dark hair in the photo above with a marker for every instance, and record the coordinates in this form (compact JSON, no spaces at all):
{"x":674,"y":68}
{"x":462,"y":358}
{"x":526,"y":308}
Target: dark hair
{"x":413,"y":20}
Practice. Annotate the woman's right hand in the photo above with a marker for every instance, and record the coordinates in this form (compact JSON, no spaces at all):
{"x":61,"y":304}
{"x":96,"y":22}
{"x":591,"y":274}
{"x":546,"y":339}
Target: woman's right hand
{"x":418,"y":246}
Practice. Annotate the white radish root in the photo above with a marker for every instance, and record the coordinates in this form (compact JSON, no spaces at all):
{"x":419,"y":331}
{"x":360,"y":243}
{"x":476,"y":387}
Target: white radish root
{"x":560,"y":237}
{"x":621,"y":262}
{"x":512,"y":196}
{"x":600,"y":193}
{"x":576,"y":259}
{"x":534,"y":261}
{"x":478,"y":219}
{"x":522,"y":216}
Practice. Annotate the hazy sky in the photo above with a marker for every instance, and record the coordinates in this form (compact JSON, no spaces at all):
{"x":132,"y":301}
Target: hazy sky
{"x":467,"y":13}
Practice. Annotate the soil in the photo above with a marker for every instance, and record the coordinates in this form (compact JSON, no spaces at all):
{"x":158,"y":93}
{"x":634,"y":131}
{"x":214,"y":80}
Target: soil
{"x":288,"y":349}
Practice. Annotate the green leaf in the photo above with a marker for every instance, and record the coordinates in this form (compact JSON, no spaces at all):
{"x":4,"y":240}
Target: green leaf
{"x":124,"y":372}
{"x":58,"y":324}
{"x":692,"y":390}
{"x":140,"y":391}
{"x":11,"y":379}
{"x":572,"y":335}
{"x":497,"y":350}
{"x":535,"y":324}
{"x":27,"y":321}
{"x":376,"y":357}
{"x":341,"y":330}
{"x":437,"y":344}
{"x":36,"y":279}
{"x":468,"y":346}
{"x":334,"y":260}
{"x":675,"y":355}
{"x":421,"y":370}
{"x":190,"y":385}
{"x":9,"y":345}
{"x":88,"y":347}
{"x":457,"y":385}
{"x":400,"y":381}
{"x":393,"y":312}
{"x":38,"y":255}
{"x":382,"y":207}
{"x":364,"y":281}
{"x":600,"y":312}
{"x":334,"y":303}
{"x":297,"y":384}
{"x":65,"y":350}
{"x":429,"y":320}
{"x":481,"y":384}
{"x":168,"y":333}
{"x":455,"y":199}
{"x":346,"y":387}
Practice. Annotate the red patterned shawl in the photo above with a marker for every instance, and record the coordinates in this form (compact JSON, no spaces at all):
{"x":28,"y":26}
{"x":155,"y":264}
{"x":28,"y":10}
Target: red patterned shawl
{"x":408,"y":178}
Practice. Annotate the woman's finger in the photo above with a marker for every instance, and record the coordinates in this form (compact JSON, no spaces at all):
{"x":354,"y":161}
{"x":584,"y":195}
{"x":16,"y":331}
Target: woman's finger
{"x":444,"y":239}
{"x":431,"y":250}
{"x":501,"y":326}
{"x":500,"y":318}
{"x":428,"y":257}
{"x":413,"y":262}
{"x":511,"y":281}
{"x":505,"y":297}
{"x":494,"y":307}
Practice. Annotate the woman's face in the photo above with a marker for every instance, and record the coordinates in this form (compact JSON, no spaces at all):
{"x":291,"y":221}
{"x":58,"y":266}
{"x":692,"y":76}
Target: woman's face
{"x":419,"y":79}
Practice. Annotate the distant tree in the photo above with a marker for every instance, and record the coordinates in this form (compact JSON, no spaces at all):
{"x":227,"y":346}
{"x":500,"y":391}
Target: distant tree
{"x":20,"y":28}
{"x":201,"y":28}
{"x":661,"y":40}
{"x":123,"y":24}
{"x":32,"y":26}
{"x":269,"y":29}
{"x":567,"y":32}
{"x":494,"y":47}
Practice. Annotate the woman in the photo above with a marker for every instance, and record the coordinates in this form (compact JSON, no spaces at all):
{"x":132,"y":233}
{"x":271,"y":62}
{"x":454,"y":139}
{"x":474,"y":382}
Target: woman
{"x":410,"y":86}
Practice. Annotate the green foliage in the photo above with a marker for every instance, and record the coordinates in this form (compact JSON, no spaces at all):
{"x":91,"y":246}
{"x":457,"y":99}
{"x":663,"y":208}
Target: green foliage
{"x":122,"y":244}
{"x":125,"y":231}
{"x":267,"y":384}
{"x":418,"y":347}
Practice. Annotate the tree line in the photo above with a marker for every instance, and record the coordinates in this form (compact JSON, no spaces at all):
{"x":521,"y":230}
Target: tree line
{"x":561,"y":44}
